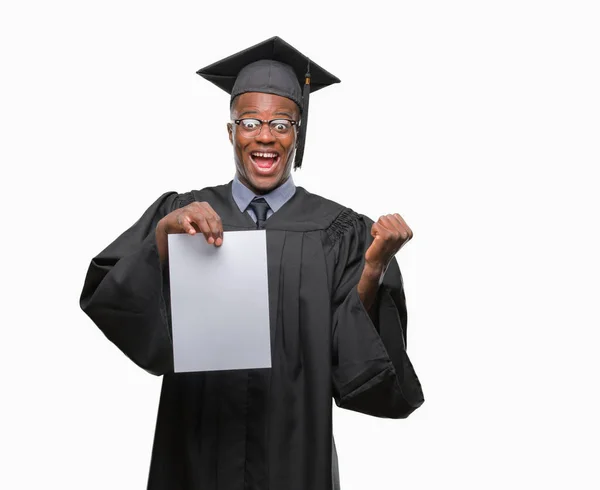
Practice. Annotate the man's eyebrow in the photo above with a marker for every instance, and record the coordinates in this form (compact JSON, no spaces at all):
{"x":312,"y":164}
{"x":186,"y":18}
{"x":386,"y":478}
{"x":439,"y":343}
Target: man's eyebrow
{"x":278,"y":113}
{"x":247,"y":112}
{"x":288,"y":114}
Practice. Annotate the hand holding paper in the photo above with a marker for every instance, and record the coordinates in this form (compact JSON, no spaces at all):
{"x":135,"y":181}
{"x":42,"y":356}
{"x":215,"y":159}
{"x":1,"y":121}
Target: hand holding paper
{"x":191,"y":219}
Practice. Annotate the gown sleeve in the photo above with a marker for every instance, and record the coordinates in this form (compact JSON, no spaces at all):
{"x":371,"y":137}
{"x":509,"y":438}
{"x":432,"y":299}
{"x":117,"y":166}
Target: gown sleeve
{"x":124,"y":292}
{"x":371,"y":371}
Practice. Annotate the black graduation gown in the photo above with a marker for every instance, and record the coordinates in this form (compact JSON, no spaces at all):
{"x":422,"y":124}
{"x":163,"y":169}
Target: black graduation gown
{"x":266,"y":428}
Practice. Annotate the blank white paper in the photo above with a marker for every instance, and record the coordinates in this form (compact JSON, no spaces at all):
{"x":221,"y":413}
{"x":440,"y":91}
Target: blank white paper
{"x":220,"y":302}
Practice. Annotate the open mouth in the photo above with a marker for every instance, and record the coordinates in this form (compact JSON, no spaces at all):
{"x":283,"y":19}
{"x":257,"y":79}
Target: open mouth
{"x":265,"y":160}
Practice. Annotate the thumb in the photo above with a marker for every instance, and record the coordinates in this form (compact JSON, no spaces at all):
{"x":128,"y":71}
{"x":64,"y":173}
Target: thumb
{"x":375,"y":230}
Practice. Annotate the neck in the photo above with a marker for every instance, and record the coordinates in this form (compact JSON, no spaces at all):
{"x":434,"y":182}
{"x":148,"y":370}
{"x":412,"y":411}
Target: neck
{"x":260,"y":192}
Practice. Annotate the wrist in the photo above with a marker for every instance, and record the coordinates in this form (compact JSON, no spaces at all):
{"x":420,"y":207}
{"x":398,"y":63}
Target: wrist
{"x":161,"y":241}
{"x":374,"y":271}
{"x":369,"y":283}
{"x":160,"y":228}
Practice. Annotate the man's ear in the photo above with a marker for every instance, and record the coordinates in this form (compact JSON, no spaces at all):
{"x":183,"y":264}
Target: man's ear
{"x":230,"y":131}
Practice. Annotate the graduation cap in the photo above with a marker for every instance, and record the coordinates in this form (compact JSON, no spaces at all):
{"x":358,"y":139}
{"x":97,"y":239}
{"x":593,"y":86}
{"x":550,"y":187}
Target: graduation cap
{"x":272,"y":67}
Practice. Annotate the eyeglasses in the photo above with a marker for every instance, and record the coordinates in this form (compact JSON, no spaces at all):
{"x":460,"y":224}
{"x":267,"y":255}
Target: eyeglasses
{"x":278,"y":127}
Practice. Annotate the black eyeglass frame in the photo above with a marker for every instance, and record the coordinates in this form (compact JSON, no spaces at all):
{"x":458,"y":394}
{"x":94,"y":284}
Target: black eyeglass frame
{"x":267,"y":122}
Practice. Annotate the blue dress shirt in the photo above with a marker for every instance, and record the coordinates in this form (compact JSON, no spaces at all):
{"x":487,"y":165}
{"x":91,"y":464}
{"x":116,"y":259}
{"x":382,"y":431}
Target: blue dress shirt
{"x":275,"y":199}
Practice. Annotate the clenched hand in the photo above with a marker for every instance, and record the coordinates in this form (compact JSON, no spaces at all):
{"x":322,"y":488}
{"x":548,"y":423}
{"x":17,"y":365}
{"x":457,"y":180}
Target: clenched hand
{"x":390,"y":233}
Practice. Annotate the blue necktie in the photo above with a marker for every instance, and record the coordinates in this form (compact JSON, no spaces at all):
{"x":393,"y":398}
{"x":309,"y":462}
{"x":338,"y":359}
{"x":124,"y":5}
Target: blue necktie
{"x":260,"y":208}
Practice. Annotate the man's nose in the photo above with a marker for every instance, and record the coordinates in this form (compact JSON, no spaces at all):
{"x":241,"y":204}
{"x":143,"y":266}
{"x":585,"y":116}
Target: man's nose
{"x":265,"y":135}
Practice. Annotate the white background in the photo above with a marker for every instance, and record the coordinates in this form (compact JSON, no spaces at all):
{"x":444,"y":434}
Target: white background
{"x":478,"y":121}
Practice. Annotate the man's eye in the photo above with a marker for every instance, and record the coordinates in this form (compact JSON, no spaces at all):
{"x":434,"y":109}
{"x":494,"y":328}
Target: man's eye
{"x":280,"y":126}
{"x":250,"y":124}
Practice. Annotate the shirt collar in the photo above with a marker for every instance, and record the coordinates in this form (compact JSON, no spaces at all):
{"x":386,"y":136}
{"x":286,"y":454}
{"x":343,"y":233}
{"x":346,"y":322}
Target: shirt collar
{"x":275,"y":199}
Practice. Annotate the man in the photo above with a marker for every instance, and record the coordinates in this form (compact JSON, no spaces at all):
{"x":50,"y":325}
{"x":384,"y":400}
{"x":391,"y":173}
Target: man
{"x":337,"y":307}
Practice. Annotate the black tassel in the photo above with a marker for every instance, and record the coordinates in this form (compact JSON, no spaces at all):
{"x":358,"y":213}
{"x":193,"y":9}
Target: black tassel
{"x":302,"y":135}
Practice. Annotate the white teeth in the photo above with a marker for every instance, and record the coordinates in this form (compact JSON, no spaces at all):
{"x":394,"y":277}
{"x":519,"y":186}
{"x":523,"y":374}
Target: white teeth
{"x":264,"y":155}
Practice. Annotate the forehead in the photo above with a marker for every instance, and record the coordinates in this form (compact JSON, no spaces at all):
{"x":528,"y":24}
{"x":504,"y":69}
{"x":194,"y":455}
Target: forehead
{"x":260,"y":103}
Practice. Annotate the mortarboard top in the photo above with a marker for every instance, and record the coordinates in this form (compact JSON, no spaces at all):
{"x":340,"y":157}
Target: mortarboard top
{"x":272,"y":67}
